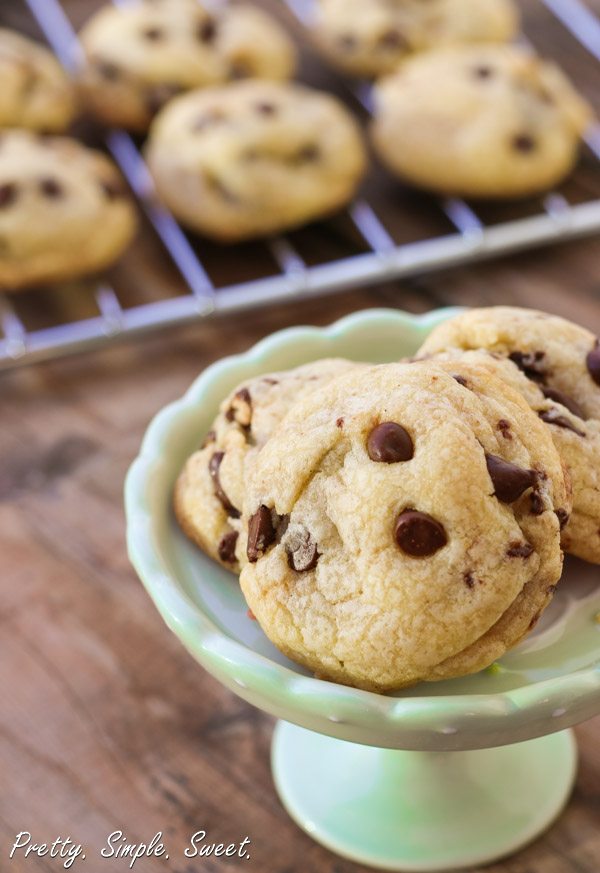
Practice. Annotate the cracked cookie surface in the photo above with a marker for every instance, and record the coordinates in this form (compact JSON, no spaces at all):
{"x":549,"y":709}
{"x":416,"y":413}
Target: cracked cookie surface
{"x":485,"y":121}
{"x":254,"y":158}
{"x":210,"y":490}
{"x":138,"y":56}
{"x":388,"y":526}
{"x":373,"y":38}
{"x":555,"y":364}
{"x":64,"y":210}
{"x":36,"y":93}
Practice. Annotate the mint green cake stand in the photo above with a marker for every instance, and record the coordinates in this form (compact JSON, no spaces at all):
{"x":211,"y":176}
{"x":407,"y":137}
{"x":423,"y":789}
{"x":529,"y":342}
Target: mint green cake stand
{"x":444,"y":775}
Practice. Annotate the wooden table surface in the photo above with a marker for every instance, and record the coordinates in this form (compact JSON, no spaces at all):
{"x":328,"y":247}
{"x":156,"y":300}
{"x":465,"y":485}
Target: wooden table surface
{"x":105,"y":722}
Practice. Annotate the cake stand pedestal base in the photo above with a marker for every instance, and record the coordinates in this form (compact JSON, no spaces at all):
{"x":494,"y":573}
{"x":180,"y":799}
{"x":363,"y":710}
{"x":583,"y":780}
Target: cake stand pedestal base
{"x":417,"y":811}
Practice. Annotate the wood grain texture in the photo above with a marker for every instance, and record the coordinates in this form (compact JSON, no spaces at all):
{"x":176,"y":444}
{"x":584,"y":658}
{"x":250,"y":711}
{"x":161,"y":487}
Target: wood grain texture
{"x":105,"y":721}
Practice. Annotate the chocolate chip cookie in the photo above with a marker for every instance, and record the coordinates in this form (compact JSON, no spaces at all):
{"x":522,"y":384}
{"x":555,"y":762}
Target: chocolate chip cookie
{"x":555,"y":364}
{"x":64,"y":210}
{"x":36,"y":93}
{"x":138,"y":56}
{"x":373,"y":38}
{"x":484,"y":121}
{"x":254,"y":158}
{"x":209,"y":494}
{"x":388,"y":527}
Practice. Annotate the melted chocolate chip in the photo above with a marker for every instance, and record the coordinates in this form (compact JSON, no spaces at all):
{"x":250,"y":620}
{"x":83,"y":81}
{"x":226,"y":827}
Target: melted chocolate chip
{"x":504,"y":428}
{"x":213,"y":468}
{"x":261,"y":533}
{"x":520,"y":550}
{"x":153,"y":34}
{"x":8,"y":194}
{"x":207,"y":30}
{"x":483,"y":72}
{"x":418,"y":534}
{"x":389,"y":443}
{"x":530,"y":363}
{"x":523,"y":143}
{"x":339,"y":422}
{"x":469,"y":580}
{"x":509,"y":481}
{"x":226,"y":547}
{"x":537,"y":504}
{"x":461,"y":381}
{"x":308,"y":154}
{"x":391,"y":39}
{"x":265,"y":108}
{"x":564,"y":400}
{"x":553,"y":416}
{"x":563,"y":518}
{"x":240,"y":410}
{"x":302,"y":552}
{"x":593,"y":363}
{"x":51,"y":188}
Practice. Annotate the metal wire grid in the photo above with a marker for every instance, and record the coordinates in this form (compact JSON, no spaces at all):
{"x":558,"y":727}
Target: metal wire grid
{"x":384,"y":259}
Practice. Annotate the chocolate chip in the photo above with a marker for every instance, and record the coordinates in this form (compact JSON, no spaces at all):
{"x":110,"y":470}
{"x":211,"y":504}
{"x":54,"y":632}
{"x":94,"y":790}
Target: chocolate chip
{"x":389,"y":443}
{"x":226,"y":547}
{"x":461,"y":381}
{"x":8,"y":194}
{"x":210,"y":437}
{"x":213,"y":468}
{"x":107,"y":69}
{"x":261,"y":533}
{"x":520,"y":550}
{"x":240,"y":410}
{"x":418,"y":534}
{"x":563,"y":518}
{"x":51,"y":188}
{"x":207,"y":30}
{"x":469,"y":580}
{"x":537,"y":503}
{"x":265,"y":108}
{"x":593,"y":363}
{"x":339,"y":422}
{"x":534,"y":620}
{"x":113,"y":188}
{"x":564,"y":400}
{"x":530,"y":363}
{"x":504,"y":428}
{"x":551,"y":589}
{"x":159,"y":95}
{"x":524,"y":143}
{"x":553,"y":416}
{"x":509,"y":481}
{"x":270,"y":381}
{"x":302,"y":552}
{"x":483,"y":72}
{"x":153,"y":34}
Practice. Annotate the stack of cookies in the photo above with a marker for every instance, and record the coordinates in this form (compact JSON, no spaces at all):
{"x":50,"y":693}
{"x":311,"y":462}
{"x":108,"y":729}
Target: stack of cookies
{"x":405,"y":522}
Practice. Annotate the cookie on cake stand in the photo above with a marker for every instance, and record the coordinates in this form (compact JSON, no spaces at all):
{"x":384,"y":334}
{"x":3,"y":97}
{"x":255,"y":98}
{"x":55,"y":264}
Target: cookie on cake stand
{"x":439,"y":776}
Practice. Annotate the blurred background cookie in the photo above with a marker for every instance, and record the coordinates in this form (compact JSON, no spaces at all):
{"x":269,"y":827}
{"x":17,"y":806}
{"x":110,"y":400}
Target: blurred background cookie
{"x":253,"y":158}
{"x":371,"y":37}
{"x":140,"y":55}
{"x":35,"y":91}
{"x":493,"y":121}
{"x":64,"y":210}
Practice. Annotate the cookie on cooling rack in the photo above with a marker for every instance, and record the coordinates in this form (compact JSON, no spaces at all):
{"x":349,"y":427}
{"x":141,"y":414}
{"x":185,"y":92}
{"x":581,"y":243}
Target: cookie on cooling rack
{"x":36,"y":93}
{"x":140,"y":55}
{"x":209,"y":493}
{"x":64,"y":210}
{"x":388,"y":528}
{"x":556,"y":366}
{"x":373,"y":38}
{"x":254,"y":158}
{"x":485,"y":121}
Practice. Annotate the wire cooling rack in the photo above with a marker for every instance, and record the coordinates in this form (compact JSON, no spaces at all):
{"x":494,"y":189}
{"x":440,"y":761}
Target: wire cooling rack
{"x":379,"y":257}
